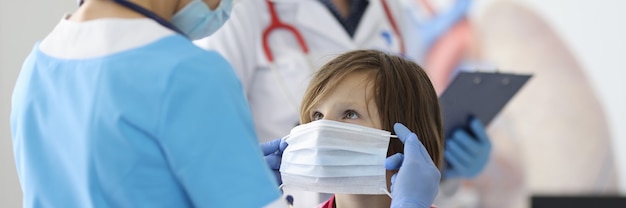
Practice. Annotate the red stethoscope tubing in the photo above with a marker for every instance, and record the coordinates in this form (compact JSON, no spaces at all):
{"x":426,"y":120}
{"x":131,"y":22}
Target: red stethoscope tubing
{"x":275,"y":23}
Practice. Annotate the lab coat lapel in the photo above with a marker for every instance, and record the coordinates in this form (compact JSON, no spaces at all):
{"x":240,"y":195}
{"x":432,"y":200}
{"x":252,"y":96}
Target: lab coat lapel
{"x":314,"y":17}
{"x":370,"y":24}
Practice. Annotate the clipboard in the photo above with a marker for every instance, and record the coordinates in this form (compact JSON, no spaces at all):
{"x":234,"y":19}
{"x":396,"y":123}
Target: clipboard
{"x":478,"y":94}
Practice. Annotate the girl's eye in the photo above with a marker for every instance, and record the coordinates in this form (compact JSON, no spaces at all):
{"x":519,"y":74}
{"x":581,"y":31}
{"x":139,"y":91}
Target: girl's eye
{"x":350,"y":114}
{"x":317,"y":116}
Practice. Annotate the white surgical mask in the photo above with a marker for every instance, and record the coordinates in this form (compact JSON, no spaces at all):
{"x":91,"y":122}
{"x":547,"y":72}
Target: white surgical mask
{"x":197,"y":21}
{"x":335,"y":157}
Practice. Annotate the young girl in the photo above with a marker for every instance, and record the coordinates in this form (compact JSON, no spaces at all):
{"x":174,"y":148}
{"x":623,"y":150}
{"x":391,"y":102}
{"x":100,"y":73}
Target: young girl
{"x":374,"y":89}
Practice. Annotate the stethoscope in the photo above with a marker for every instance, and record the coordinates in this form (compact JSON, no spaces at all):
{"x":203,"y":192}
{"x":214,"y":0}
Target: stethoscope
{"x":276,"y":23}
{"x":147,"y":13}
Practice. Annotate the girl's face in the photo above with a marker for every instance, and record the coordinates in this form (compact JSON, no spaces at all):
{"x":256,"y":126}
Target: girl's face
{"x":352,"y":101}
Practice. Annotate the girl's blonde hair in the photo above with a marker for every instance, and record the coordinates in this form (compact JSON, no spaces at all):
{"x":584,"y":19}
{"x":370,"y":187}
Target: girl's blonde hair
{"x":403,"y":94}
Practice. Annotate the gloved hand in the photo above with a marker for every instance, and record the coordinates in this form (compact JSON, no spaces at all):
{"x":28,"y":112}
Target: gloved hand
{"x":467,"y":153}
{"x":438,"y":25}
{"x":273,"y":152}
{"x":417,"y":182}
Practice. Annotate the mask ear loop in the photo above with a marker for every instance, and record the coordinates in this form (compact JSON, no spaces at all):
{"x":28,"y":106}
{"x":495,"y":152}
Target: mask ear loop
{"x":385,"y":189}
{"x":386,"y":192}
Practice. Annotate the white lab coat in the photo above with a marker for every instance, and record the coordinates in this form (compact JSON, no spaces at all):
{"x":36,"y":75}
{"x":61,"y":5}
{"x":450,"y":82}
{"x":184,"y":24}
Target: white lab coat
{"x":275,"y":96}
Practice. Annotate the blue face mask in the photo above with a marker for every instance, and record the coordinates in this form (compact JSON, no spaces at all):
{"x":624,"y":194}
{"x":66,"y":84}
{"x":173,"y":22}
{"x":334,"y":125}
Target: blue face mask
{"x":197,"y":21}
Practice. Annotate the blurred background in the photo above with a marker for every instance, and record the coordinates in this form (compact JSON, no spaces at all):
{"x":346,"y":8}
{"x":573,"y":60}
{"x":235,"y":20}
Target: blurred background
{"x":563,"y":133}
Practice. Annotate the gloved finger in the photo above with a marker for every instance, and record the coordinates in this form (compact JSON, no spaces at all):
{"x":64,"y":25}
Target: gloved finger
{"x":394,"y":162}
{"x":442,"y":23}
{"x":461,"y":7}
{"x":454,"y":148}
{"x":270,"y":147}
{"x":454,"y":162}
{"x":451,"y":173}
{"x":478,"y":129}
{"x":273,"y":161}
{"x":401,"y":131}
{"x":416,"y":148}
{"x":471,"y":145}
{"x":283,"y":145}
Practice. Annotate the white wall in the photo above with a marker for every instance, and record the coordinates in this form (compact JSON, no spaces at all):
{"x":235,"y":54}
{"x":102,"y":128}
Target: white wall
{"x":595,"y":32}
{"x":591,"y":28}
{"x":22,"y":22}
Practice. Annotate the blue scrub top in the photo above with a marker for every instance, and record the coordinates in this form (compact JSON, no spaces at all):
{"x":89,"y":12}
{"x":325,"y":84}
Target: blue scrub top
{"x":165,"y":124}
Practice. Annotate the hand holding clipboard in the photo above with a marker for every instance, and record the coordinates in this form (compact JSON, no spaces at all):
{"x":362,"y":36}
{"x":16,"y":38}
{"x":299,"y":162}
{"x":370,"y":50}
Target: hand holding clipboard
{"x":481,"y":96}
{"x":478,"y":94}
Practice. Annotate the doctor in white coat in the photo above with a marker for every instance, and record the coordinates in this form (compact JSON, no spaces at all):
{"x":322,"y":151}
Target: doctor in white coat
{"x":276,"y":45}
{"x":275,"y":87}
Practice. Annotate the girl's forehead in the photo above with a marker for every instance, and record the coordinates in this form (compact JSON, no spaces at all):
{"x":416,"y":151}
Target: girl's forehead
{"x":343,"y":83}
{"x":364,"y":76}
{"x":354,"y":87}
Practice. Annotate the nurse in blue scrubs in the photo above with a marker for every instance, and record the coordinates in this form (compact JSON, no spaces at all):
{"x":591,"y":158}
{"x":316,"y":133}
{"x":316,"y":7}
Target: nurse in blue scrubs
{"x":117,"y":108}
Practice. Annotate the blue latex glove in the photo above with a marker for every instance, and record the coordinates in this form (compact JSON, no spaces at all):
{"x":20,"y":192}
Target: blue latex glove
{"x":417,"y":182}
{"x":467,"y":153}
{"x":273,"y":152}
{"x":434,"y":28}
